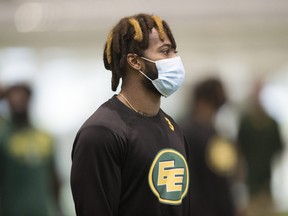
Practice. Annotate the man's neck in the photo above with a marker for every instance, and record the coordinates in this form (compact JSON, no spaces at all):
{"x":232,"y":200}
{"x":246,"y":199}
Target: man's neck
{"x":20,"y":120}
{"x":204,"y":114}
{"x":140,"y":100}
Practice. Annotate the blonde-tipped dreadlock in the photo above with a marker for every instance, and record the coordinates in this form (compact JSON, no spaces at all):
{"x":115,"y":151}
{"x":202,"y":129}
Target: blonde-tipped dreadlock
{"x":108,"y":48}
{"x":138,"y":32}
{"x":131,"y":35}
{"x":160,"y":28}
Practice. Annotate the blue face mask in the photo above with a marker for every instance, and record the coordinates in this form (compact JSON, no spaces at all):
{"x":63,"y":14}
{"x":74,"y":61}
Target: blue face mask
{"x":171,"y":75}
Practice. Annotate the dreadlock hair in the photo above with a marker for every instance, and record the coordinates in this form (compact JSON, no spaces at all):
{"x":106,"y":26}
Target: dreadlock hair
{"x":131,"y":35}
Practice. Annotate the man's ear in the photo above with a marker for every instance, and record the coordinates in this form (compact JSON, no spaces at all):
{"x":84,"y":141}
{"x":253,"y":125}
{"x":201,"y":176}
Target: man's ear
{"x":133,"y":61}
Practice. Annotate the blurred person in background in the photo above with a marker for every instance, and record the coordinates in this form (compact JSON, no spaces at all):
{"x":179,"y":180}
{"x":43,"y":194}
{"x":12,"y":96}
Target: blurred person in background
{"x":29,"y":185}
{"x":259,"y":141}
{"x":2,"y":119}
{"x":212,"y":158}
{"x":129,"y":157}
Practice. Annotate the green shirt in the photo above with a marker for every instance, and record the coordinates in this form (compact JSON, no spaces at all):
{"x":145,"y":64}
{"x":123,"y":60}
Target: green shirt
{"x":26,"y":162}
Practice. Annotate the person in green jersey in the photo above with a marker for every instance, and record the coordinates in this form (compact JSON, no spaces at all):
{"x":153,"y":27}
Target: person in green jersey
{"x":28,"y":181}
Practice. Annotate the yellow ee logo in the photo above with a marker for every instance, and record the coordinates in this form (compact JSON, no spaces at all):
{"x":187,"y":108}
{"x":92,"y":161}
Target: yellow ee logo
{"x":168,"y":177}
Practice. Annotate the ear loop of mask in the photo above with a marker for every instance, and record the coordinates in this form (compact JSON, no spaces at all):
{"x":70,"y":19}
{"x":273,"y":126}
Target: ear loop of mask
{"x":147,"y":59}
{"x":145,"y":75}
{"x":142,"y":71}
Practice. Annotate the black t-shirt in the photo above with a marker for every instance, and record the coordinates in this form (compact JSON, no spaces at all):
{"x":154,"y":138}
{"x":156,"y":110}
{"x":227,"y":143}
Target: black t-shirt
{"x":209,"y":188}
{"x":128,"y":164}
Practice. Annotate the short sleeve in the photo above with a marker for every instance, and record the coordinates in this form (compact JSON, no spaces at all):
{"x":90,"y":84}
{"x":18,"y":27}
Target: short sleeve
{"x":96,"y":172}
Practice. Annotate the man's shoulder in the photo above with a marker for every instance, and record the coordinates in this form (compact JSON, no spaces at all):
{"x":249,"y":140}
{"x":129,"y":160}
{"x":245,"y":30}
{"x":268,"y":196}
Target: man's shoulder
{"x":109,"y":115}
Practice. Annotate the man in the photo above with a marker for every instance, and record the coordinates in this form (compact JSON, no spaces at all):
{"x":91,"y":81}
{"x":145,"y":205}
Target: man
{"x":29,"y":185}
{"x":129,"y":157}
{"x":2,"y":95}
{"x":212,"y":158}
{"x":260,"y":142}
